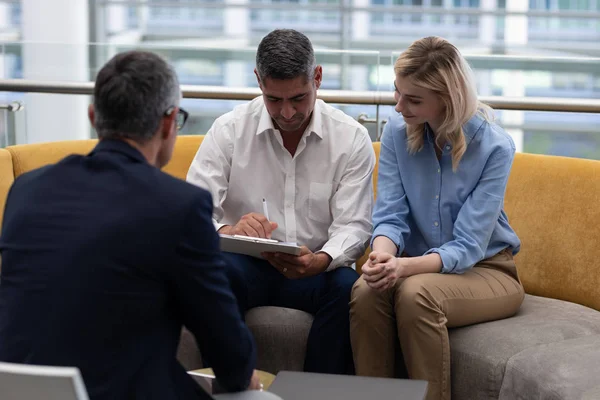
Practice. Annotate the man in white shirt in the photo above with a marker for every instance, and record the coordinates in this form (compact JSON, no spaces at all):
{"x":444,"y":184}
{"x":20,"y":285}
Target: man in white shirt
{"x":313,"y":165}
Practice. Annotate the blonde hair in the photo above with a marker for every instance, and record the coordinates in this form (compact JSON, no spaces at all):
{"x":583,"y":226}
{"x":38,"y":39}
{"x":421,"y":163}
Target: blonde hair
{"x":434,"y":63}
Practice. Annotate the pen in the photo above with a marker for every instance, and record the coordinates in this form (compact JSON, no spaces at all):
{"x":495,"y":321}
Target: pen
{"x":265,"y":209}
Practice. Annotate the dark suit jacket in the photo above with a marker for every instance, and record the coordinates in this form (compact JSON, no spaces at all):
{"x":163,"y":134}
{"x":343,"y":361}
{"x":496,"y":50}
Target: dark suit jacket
{"x":104,"y":258}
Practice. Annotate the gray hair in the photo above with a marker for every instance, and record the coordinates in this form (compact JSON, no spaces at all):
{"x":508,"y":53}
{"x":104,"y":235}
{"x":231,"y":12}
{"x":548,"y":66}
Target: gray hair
{"x":132,"y":93}
{"x":285,"y":54}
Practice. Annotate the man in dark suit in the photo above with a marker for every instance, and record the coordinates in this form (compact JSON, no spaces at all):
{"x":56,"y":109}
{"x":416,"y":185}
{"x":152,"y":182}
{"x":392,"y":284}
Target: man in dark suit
{"x":105,"y":257}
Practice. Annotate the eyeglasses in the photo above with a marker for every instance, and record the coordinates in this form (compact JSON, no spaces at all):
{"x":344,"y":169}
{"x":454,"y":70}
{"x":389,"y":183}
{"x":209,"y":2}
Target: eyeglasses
{"x":180,"y":118}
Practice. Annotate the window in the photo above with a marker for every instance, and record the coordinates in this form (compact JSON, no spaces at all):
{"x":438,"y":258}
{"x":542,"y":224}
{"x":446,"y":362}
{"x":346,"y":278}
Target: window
{"x":596,"y":83}
{"x":199,"y":72}
{"x":332,"y":76}
{"x":560,"y":81}
{"x":393,"y":19}
{"x":299,"y":16}
{"x":580,"y":81}
{"x":466,"y":3}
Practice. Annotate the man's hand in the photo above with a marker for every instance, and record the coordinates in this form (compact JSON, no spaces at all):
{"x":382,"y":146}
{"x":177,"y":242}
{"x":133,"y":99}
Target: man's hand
{"x":255,"y":382}
{"x":382,"y":270}
{"x":253,"y":224}
{"x":304,"y":265}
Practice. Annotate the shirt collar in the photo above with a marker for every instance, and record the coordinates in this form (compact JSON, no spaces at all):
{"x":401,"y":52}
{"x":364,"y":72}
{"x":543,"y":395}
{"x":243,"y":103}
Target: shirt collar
{"x":316,"y":122}
{"x":118,"y":146}
{"x":428,"y":134}
{"x":315,"y":125}
{"x":473,"y":126}
{"x":265,"y":123}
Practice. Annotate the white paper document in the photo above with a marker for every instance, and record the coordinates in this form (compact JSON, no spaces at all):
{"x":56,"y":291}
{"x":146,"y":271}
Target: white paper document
{"x":252,"y":246}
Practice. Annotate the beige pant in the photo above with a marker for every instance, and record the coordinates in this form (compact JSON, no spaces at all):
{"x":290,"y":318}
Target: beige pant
{"x":419,"y":309}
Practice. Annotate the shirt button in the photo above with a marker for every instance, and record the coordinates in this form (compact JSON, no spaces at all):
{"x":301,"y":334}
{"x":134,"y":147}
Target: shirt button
{"x":436,"y":223}
{"x":437,"y":197}
{"x":447,"y":147}
{"x":438,"y":170}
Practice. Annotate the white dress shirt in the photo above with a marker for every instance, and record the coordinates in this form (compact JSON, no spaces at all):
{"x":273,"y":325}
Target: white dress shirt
{"x":321,"y":198}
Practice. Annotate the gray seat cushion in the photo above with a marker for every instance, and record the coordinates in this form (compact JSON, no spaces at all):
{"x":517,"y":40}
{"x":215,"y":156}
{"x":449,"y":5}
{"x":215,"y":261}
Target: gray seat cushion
{"x":563,"y":370}
{"x":188,"y":353}
{"x":549,"y":350}
{"x":592,"y":394}
{"x":280,"y":335}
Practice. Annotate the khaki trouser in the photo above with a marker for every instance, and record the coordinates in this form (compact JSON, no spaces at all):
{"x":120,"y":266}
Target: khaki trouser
{"x":419,"y":309}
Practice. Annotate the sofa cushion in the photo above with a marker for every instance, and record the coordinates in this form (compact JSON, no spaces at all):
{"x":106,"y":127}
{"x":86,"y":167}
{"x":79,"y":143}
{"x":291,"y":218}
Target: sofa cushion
{"x":481,"y":353}
{"x":551,"y":203}
{"x":377,"y":148}
{"x":6,"y":178}
{"x":188,"y":353}
{"x":26,"y":157}
{"x":592,"y":394}
{"x":281,"y":335}
{"x":186,"y":147}
{"x":554,"y":371}
{"x":18,"y":159}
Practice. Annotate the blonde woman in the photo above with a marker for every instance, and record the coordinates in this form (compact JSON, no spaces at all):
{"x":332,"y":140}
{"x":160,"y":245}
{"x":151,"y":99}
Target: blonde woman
{"x":442,"y":245}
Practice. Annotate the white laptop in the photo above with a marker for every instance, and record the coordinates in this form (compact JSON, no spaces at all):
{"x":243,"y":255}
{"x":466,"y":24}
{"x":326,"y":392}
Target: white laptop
{"x":32,"y":382}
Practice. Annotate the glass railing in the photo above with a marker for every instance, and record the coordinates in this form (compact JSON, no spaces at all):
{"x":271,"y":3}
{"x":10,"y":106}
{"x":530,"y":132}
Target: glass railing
{"x":536,"y":135}
{"x":549,"y":103}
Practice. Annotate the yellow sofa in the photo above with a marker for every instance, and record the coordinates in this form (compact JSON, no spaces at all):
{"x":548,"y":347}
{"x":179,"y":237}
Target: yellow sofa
{"x":554,"y":205}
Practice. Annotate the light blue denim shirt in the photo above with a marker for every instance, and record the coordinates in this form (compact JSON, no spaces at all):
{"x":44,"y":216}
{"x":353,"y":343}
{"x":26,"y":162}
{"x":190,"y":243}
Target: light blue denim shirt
{"x":425,"y":207}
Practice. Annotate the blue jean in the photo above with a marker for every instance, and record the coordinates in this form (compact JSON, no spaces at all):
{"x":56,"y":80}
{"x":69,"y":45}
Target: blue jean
{"x":326,"y":296}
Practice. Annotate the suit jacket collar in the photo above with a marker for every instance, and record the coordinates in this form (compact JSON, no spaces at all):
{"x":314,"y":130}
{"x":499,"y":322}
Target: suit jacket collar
{"x":118,"y":146}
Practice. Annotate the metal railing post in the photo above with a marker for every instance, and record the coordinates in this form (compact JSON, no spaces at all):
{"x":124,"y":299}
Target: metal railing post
{"x":16,"y":128}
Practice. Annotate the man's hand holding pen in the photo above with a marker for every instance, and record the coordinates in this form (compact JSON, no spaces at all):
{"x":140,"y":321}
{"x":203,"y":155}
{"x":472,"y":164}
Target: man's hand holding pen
{"x":253,"y":224}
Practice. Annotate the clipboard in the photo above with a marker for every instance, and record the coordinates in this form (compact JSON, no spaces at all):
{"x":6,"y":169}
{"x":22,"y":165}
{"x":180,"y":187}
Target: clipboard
{"x":252,"y":246}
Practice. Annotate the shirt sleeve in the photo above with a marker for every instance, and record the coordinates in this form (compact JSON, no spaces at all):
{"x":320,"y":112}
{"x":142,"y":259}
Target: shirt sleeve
{"x":211,"y":167}
{"x":352,"y":205}
{"x":390,"y":217}
{"x":478,"y":216}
